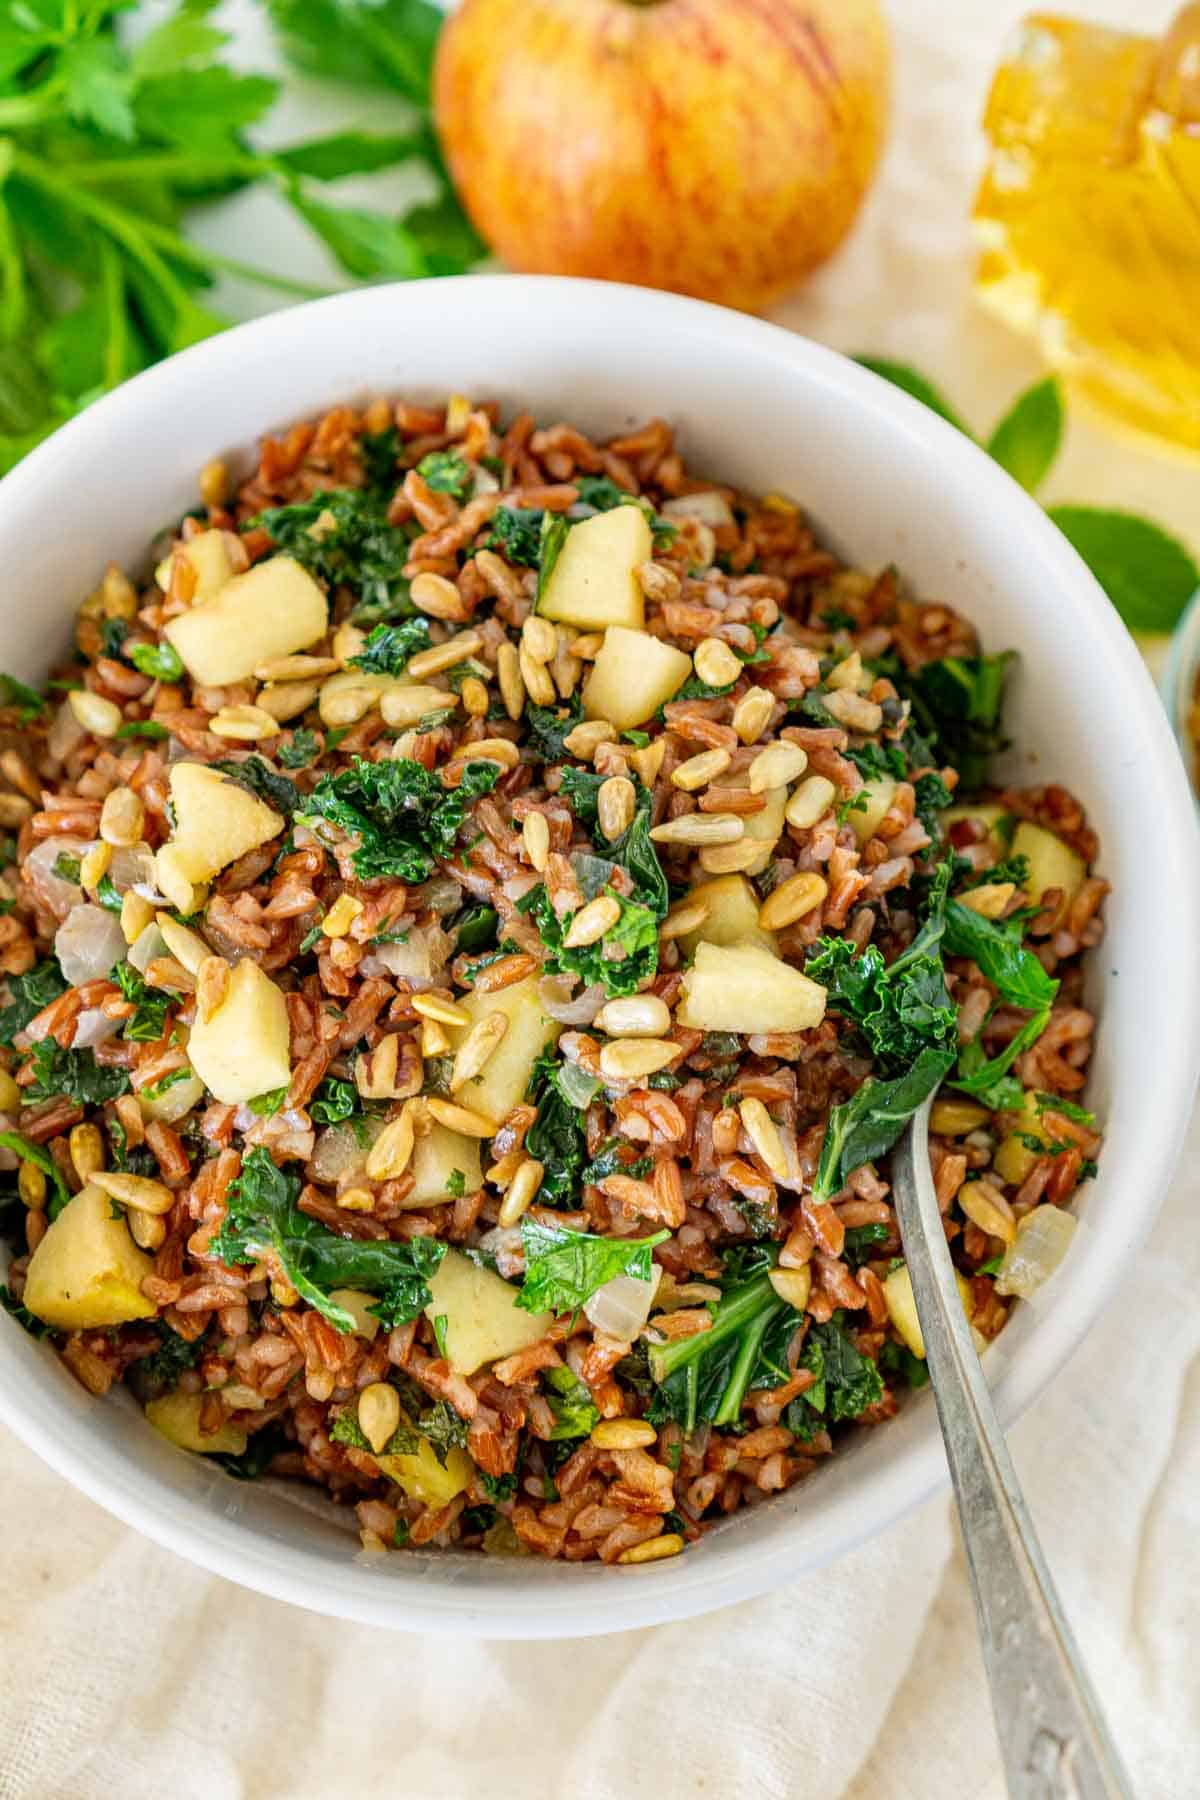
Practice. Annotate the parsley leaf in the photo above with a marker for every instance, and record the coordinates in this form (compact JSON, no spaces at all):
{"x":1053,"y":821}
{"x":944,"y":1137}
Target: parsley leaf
{"x":517,"y":535}
{"x":401,"y":814}
{"x":257,"y":776}
{"x":160,"y":661}
{"x":29,"y":994}
{"x":446,"y":472}
{"x":575,"y":1412}
{"x":563,"y":1269}
{"x":621,"y":961}
{"x":263,"y":1216}
{"x":390,"y":648}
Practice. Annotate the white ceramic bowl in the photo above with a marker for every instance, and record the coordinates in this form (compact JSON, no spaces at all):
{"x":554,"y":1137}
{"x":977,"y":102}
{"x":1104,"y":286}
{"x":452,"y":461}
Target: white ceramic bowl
{"x":1181,"y":672}
{"x":886,"y":481}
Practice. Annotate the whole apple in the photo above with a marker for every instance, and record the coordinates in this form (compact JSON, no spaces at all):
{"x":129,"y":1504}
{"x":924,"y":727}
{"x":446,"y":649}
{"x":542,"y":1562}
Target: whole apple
{"x":717,"y":147}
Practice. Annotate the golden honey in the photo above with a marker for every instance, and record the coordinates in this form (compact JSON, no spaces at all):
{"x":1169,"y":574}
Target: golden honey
{"x":1088,"y":216}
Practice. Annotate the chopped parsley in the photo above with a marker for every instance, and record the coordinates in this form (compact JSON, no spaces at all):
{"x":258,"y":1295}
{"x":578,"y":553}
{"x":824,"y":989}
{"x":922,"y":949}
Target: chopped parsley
{"x":622,"y":961}
{"x":264,"y":1218}
{"x":390,"y":648}
{"x":401,"y":814}
{"x":563,"y":1269}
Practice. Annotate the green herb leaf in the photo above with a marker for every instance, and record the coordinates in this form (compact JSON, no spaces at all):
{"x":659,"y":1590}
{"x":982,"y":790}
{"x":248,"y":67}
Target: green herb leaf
{"x":865,"y":1127}
{"x":25,"y":701}
{"x":575,"y":1412}
{"x":847,"y":1382}
{"x":1027,"y":439}
{"x":41,"y":1159}
{"x":159,"y":661}
{"x":996,"y":948}
{"x":303,"y":750}
{"x":517,"y":534}
{"x":402,"y":816}
{"x":75,"y":1075}
{"x":257,"y":776}
{"x":263,"y":1216}
{"x":563,"y":1269}
{"x":916,"y":384}
{"x":1148,"y":575}
{"x":622,"y":961}
{"x":353,"y":547}
{"x":150,"y":1005}
{"x":446,"y":472}
{"x":390,"y":648}
{"x":29,"y":993}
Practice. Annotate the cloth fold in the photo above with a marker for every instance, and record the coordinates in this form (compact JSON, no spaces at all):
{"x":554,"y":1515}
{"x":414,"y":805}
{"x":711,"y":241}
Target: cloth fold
{"x":128,"y":1672}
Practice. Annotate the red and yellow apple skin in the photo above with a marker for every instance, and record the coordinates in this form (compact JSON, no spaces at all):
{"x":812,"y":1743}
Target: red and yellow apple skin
{"x":720,"y":148}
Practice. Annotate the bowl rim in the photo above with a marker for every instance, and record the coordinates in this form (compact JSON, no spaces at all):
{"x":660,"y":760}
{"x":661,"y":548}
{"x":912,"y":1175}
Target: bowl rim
{"x":430,"y":1600}
{"x":1181,"y":672}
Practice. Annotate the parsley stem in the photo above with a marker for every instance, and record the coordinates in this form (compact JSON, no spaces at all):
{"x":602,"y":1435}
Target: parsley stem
{"x":170,"y":166}
{"x":138,"y":237}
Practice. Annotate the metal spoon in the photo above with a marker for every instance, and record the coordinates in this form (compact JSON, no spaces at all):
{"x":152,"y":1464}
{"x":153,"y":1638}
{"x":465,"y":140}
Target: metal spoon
{"x":1053,"y":1739}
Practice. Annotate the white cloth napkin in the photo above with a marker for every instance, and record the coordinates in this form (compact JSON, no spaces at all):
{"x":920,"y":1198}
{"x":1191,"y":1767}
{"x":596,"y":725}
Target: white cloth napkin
{"x":127,"y":1672}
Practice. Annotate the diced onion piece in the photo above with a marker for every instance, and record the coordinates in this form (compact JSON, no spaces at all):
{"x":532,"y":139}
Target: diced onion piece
{"x":150,"y":945}
{"x":339,"y":1150}
{"x":621,"y":1307}
{"x":50,"y":890}
{"x":87,"y":944}
{"x":1043,"y":1238}
{"x":65,"y":734}
{"x":94,"y":1027}
{"x":506,"y":1244}
{"x":419,"y":960}
{"x":554,"y":994}
{"x":710,"y":508}
{"x":133,"y":868}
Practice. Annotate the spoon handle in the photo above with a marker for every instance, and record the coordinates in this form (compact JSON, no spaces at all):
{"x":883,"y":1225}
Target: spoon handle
{"x":1052,"y":1737}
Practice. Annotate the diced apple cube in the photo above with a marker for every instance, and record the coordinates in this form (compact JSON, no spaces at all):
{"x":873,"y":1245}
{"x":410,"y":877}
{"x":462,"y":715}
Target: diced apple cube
{"x":744,"y":988}
{"x":594,"y":582}
{"x":1052,"y":864}
{"x":502,"y":1082}
{"x":482,"y":1319}
{"x":732,"y":915}
{"x":209,"y":556}
{"x":87,"y":1272}
{"x":216,"y":821}
{"x":274,"y":609}
{"x":422,"y":1476}
{"x":177,"y":1416}
{"x":902,"y":1307}
{"x":241,"y":1050}
{"x":437,"y":1157}
{"x":632,"y":676}
{"x":864,"y":819}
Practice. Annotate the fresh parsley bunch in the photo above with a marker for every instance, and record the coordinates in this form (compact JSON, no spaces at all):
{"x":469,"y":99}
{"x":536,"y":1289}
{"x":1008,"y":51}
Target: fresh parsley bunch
{"x":107,"y":142}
